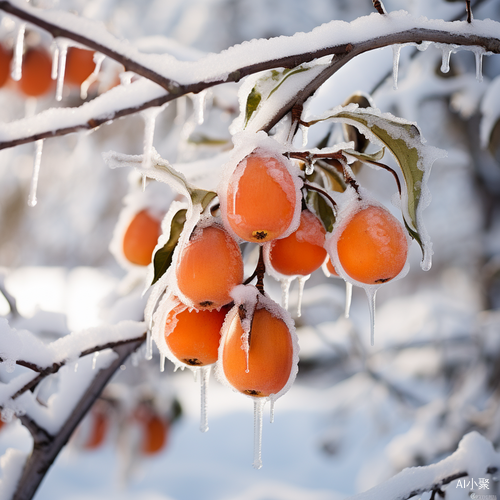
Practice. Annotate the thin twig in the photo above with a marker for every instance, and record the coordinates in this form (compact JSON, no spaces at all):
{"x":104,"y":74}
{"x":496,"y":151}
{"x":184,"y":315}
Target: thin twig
{"x":55,"y":367}
{"x":322,"y":193}
{"x":469,"y":11}
{"x":379,"y":6}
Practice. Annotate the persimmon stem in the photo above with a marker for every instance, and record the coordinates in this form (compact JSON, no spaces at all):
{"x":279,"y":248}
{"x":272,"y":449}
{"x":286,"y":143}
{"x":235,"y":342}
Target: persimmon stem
{"x":469,"y":11}
{"x":260,"y":271}
{"x":322,"y":192}
{"x":379,"y":6}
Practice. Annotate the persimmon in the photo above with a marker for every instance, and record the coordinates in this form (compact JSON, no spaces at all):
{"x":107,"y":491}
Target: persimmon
{"x":301,"y":252}
{"x":79,"y":65}
{"x":209,"y":266}
{"x":193,"y":336}
{"x":98,"y":430}
{"x":267,"y":369}
{"x":372,"y":247}
{"x":331,"y":268}
{"x":36,"y":79}
{"x":155,"y":434}
{"x":5,"y":60}
{"x":261,"y":199}
{"x":141,"y":237}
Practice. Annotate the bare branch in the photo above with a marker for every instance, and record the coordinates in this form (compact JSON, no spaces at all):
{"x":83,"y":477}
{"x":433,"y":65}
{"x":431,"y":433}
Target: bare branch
{"x":47,"y":447}
{"x":379,"y":6}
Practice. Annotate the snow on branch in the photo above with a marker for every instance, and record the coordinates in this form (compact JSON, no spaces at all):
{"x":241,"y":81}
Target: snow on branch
{"x":474,"y":457}
{"x":338,"y":39}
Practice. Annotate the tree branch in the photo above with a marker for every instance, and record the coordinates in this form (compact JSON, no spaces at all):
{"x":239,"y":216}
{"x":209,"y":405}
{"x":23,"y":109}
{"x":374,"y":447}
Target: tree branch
{"x":47,"y":447}
{"x":55,"y":367}
{"x":229,"y":71}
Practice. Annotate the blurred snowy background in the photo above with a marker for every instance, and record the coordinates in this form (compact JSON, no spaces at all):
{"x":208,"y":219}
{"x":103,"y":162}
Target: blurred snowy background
{"x":356,"y":414}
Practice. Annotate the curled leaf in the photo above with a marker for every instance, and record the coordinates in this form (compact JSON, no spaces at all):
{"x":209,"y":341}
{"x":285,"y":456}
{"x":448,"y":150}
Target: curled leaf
{"x":163,"y":257}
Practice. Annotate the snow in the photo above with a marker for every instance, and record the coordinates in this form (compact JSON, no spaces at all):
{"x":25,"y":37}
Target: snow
{"x":11,"y":468}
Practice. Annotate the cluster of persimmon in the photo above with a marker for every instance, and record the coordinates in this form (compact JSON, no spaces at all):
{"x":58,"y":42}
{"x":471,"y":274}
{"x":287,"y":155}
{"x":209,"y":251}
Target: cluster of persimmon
{"x":211,"y":314}
{"x":152,"y":428}
{"x":37,"y":79}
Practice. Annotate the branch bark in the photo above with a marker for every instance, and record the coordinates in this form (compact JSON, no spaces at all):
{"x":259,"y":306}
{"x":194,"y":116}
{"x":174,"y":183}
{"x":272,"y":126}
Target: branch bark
{"x":47,"y":447}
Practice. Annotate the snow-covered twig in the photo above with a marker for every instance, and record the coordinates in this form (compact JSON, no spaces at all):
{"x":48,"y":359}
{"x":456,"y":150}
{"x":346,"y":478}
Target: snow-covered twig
{"x":343,"y":41}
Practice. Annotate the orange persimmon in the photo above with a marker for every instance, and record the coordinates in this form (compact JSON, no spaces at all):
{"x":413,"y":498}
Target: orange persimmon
{"x":372,"y":247}
{"x":261,"y":198}
{"x":195,"y":335}
{"x":267,"y":369}
{"x":79,"y":65}
{"x":209,"y":266}
{"x":36,"y":79}
{"x":301,"y":252}
{"x":141,"y":237}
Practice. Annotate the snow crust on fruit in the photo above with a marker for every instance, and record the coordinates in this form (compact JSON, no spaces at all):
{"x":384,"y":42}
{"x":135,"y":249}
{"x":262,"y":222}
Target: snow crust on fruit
{"x":246,"y":143}
{"x":252,"y":299}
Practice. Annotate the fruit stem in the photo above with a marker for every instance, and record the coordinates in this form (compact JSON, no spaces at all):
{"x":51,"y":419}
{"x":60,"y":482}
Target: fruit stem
{"x":259,"y":272}
{"x":322,"y":192}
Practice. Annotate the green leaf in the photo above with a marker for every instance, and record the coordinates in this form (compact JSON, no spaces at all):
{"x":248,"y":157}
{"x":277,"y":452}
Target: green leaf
{"x":202,"y":197}
{"x":403,"y":140}
{"x":322,"y":209}
{"x":266,"y":86}
{"x":163,"y":257}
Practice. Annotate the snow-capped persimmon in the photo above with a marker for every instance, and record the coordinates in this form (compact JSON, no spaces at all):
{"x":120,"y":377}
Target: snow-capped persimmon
{"x":208,"y":267}
{"x":301,"y":252}
{"x":5,"y":60}
{"x":372,"y":247}
{"x":79,"y":65}
{"x":36,"y":79}
{"x":268,"y":367}
{"x":193,"y":336}
{"x":261,"y":198}
{"x":141,"y":237}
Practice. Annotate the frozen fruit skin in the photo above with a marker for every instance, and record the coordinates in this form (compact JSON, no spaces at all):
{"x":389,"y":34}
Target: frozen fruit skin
{"x":36,"y":79}
{"x":261,"y":199}
{"x":140,"y":238}
{"x":195,"y":337}
{"x":301,"y":252}
{"x":208,"y":267}
{"x":79,"y":65}
{"x":270,"y":356}
{"x":372,"y":247}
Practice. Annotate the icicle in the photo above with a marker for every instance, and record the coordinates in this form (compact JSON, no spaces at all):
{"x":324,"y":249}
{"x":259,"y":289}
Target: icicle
{"x":446,"y":55}
{"x":32,"y":201}
{"x":199,"y":106}
{"x":204,"y":378}
{"x":61,"y":69}
{"x":302,"y":282}
{"x":149,"y":345}
{"x":396,"y":52}
{"x":17,"y":61}
{"x":149,"y":117}
{"x":84,"y":87}
{"x":309,"y":168}
{"x":76,"y":366}
{"x":55,"y":62}
{"x":162,"y":363}
{"x":94,"y":359}
{"x":371,"y":293}
{"x":348,"y":298}
{"x":285,"y":291}
{"x":479,"y":64}
{"x":271,"y":411}
{"x":305,"y":133}
{"x":258,"y":409}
